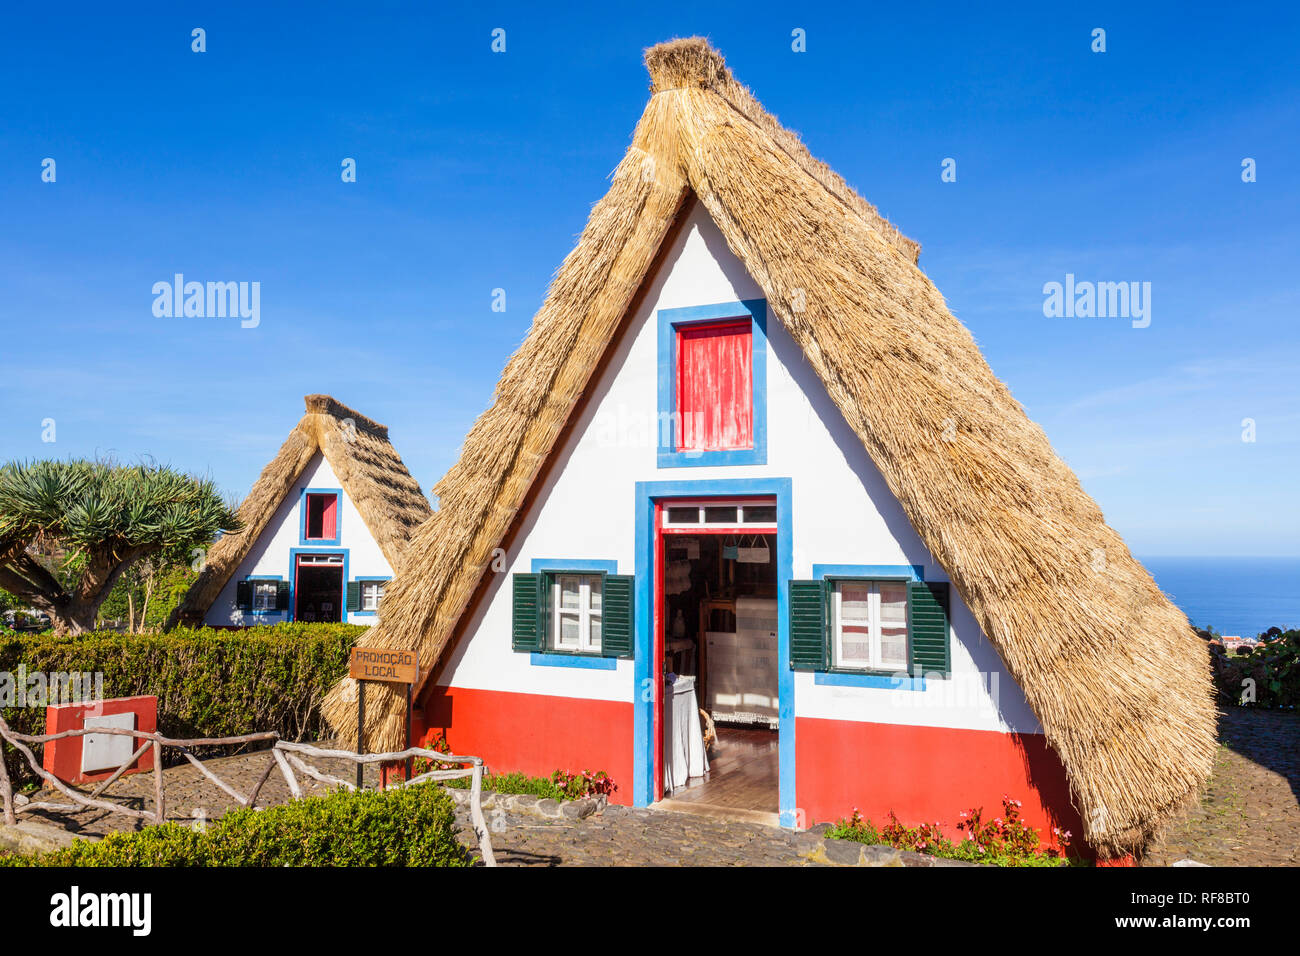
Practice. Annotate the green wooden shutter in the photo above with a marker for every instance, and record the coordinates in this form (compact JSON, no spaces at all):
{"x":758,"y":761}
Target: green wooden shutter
{"x":527,"y":632}
{"x":282,"y":596}
{"x":809,"y":643}
{"x":244,"y":595}
{"x":617,"y":628}
{"x":354,"y":595}
{"x":928,"y":628}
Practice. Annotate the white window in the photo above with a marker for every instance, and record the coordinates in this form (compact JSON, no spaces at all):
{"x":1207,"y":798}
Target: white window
{"x":264,"y":595}
{"x":720,"y":513}
{"x":871,"y":625}
{"x":576,"y":604}
{"x":372,"y":592}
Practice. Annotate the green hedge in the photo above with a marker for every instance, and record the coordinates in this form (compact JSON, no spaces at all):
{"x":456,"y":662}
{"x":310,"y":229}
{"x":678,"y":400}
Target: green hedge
{"x":209,"y":683}
{"x":411,"y":826}
{"x":1267,"y":676}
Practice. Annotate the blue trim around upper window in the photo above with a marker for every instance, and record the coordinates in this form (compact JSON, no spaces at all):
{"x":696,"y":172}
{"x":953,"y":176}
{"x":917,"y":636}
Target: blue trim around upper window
{"x":553,"y":658}
{"x":647,"y":493}
{"x":264,"y":577}
{"x":573,"y":564}
{"x":876,"y":572}
{"x":363,"y":580}
{"x":670,"y":320}
{"x":302,"y":517}
{"x":293,"y":578}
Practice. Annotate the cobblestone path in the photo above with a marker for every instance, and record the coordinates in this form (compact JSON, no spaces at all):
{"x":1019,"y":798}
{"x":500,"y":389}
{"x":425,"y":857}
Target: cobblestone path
{"x":627,"y":836}
{"x":1250,"y":813}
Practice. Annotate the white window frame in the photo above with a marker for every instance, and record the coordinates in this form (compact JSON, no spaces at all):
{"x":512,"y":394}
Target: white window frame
{"x":270,"y":586}
{"x":700,"y":505}
{"x":372,"y":592}
{"x":873,"y":623}
{"x":583,"y":612}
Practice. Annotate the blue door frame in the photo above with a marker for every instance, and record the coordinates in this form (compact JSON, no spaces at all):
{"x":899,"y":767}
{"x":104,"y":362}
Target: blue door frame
{"x":647,"y":494}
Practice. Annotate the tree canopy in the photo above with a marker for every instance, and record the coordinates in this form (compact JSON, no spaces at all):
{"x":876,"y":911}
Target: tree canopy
{"x":68,"y":529}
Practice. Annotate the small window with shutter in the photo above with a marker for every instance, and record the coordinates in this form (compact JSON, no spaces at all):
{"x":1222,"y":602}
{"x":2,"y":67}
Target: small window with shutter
{"x":262,"y":595}
{"x":870,"y":626}
{"x":573,"y":612}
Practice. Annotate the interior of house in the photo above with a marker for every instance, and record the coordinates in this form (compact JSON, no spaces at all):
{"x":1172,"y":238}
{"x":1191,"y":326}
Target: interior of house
{"x":720,"y":641}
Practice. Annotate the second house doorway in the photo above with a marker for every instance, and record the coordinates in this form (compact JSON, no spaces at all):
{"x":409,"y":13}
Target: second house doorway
{"x":318,"y":587}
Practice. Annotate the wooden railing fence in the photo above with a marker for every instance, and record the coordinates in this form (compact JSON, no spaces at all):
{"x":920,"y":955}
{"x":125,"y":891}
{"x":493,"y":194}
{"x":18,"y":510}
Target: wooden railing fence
{"x":285,"y":755}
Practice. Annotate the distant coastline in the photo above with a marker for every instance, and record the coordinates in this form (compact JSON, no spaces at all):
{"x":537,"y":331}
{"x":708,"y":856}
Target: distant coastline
{"x":1235,"y":596}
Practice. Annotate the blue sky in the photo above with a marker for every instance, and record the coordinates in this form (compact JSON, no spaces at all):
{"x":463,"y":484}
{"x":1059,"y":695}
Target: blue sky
{"x":476,"y":171}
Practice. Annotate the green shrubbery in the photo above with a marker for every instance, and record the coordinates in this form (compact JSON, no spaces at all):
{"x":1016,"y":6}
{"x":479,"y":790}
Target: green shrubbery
{"x":209,"y":683}
{"x":410,"y":826}
{"x":1268,"y":675}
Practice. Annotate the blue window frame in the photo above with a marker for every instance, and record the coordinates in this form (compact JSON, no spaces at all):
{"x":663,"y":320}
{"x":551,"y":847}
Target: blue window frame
{"x":670,"y":322}
{"x":554,"y":658}
{"x":264,"y":579}
{"x":843,"y":677}
{"x":303,"y":499}
{"x":363,"y":581}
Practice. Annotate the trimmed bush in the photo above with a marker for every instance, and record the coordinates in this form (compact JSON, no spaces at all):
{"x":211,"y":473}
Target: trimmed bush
{"x":209,"y":683}
{"x":411,"y":826}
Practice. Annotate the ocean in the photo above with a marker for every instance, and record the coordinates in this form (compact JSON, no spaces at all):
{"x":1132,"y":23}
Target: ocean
{"x":1236,"y":596}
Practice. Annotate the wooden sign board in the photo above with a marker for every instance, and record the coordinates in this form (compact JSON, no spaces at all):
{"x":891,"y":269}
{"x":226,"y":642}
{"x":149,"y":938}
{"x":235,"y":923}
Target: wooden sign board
{"x":383,"y":664}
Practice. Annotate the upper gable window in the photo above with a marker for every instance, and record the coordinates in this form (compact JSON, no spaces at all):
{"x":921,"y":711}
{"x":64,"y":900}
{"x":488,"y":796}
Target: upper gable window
{"x":320,"y":516}
{"x":713,"y":385}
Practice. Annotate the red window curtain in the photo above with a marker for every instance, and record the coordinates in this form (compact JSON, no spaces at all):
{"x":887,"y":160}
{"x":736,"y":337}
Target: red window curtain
{"x":715,"y":388}
{"x":329,"y":517}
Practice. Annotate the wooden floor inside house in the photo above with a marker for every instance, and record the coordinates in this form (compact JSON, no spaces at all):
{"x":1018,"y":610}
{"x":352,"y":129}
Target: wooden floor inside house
{"x":743,"y":773}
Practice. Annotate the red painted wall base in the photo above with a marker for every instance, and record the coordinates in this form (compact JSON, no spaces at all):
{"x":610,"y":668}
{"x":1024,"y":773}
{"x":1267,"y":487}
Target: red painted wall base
{"x":929,"y":775}
{"x":535,"y":734}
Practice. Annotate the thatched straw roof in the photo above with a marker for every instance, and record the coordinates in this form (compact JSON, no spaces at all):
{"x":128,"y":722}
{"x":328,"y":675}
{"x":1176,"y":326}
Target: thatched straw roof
{"x":1053,"y":587}
{"x":368,"y":469}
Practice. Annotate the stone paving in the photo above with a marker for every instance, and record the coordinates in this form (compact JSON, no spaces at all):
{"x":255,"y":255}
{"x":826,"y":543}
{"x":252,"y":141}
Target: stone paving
{"x":624,"y":836}
{"x":1250,"y":812}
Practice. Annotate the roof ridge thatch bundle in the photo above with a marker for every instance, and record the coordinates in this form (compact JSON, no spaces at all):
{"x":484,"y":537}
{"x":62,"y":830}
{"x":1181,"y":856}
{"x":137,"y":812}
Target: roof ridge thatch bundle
{"x":368,"y":469}
{"x":1113,"y":671}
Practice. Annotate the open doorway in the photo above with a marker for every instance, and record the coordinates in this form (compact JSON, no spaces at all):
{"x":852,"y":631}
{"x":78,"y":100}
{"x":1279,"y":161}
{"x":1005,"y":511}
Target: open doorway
{"x":717,"y":606}
{"x":318,"y":588}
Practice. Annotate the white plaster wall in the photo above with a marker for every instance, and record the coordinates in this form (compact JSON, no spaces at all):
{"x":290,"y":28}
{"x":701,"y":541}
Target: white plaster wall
{"x":269,"y":555}
{"x":842,"y":513}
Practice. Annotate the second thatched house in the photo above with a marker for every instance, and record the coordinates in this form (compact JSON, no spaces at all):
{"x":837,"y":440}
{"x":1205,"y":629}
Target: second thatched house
{"x":747,"y":462}
{"x":325,"y":526}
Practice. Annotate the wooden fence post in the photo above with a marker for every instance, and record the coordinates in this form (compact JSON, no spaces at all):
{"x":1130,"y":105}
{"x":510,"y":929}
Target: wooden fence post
{"x":160,"y":799}
{"x":6,"y":791}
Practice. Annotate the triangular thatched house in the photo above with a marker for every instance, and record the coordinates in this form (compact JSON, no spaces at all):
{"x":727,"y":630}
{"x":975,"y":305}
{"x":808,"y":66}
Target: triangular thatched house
{"x":326,"y":524}
{"x":746,"y":442}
